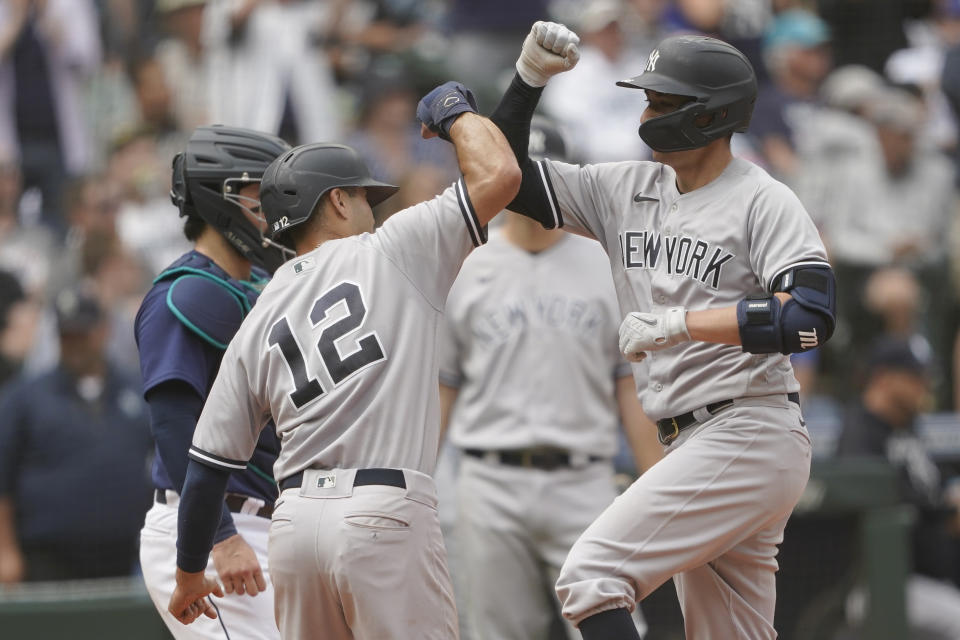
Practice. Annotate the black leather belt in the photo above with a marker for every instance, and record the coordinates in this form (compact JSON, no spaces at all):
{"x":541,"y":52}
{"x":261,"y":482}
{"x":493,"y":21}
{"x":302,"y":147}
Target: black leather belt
{"x":235,"y":503}
{"x":388,"y":477}
{"x":543,"y":459}
{"x":669,"y":428}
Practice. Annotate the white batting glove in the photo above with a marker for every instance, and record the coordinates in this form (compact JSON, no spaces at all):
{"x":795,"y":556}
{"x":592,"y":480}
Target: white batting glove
{"x":550,"y":48}
{"x":640,"y":332}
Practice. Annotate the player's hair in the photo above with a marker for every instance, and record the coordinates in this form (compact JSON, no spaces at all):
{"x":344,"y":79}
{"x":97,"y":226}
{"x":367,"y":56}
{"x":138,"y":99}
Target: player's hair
{"x":193,"y":226}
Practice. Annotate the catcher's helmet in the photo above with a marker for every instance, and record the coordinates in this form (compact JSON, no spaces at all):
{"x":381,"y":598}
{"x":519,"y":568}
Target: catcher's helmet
{"x":546,"y":141}
{"x":716,"y":75}
{"x":294,"y":183}
{"x":207,"y":179}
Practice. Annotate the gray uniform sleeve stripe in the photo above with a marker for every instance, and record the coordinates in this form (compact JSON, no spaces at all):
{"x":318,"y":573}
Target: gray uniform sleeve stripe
{"x":551,"y":195}
{"x":213,"y":460}
{"x":478,"y":233}
{"x":801,"y":263}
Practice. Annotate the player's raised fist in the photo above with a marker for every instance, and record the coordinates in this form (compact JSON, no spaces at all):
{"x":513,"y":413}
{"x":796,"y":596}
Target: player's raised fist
{"x":550,"y":48}
{"x":441,"y":107}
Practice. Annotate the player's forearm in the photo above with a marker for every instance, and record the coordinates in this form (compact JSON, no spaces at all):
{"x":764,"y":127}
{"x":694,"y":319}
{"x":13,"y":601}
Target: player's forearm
{"x":714,"y":325}
{"x":489,"y":169}
{"x":197,"y":521}
{"x":719,"y":325}
{"x":514,"y":113}
{"x":512,"y":116}
{"x":174,"y":410}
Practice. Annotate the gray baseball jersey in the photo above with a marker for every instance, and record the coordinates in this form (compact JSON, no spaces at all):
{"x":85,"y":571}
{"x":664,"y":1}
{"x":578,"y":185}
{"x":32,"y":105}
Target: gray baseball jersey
{"x":341,"y":349}
{"x":503,"y":314}
{"x":703,"y":249}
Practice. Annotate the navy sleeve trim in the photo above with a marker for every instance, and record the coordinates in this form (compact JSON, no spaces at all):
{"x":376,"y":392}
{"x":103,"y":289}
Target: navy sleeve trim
{"x":478,"y":232}
{"x":215,"y":461}
{"x":551,"y":194}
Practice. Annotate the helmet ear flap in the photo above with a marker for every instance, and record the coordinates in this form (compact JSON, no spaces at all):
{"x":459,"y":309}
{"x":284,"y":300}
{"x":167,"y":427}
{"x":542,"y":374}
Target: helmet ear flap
{"x":179,"y":193}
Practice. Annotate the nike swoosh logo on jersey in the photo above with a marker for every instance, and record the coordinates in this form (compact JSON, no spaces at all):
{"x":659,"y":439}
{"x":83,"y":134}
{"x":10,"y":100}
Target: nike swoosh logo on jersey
{"x":642,"y":198}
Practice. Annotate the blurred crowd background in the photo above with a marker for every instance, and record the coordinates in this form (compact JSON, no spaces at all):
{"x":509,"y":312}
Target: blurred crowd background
{"x":857,"y":112}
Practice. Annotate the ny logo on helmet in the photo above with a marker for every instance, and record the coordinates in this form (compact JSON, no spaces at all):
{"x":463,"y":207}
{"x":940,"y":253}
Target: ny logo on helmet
{"x":652,"y":60}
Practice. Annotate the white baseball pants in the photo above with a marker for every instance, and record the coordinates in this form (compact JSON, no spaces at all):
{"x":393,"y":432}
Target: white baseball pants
{"x":365,"y":562}
{"x":515,"y":526}
{"x":240,"y":617}
{"x":710,"y":514}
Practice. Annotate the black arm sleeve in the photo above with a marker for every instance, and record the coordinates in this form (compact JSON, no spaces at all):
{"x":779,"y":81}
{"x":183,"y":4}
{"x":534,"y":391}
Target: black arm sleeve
{"x":513,"y":116}
{"x":174,"y":410}
{"x":196,"y":525}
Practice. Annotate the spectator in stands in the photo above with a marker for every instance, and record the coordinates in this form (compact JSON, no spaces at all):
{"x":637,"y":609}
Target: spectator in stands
{"x":921,"y":65}
{"x":391,"y":29}
{"x":141,"y":172}
{"x":155,"y":102}
{"x":388,"y":135}
{"x":25,"y":251}
{"x":279,"y":44}
{"x":17,"y":325}
{"x":868,"y":32}
{"x":599,"y":130}
{"x":48,"y":48}
{"x":880,"y":199}
{"x":73,"y":459}
{"x":181,"y":55}
{"x":882,"y":424}
{"x":388,"y":138}
{"x":840,"y":147}
{"x":484,"y":39}
{"x":797,"y":57}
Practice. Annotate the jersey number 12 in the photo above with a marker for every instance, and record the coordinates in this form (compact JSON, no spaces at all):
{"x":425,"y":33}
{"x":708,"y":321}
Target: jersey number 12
{"x":308,"y":389}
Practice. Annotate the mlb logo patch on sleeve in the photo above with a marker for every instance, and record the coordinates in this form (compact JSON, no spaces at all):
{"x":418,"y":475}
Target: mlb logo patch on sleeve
{"x":303,"y":265}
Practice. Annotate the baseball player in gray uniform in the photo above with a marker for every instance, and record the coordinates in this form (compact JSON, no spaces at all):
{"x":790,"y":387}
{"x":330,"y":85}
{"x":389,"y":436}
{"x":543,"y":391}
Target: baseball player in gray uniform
{"x":530,"y":366}
{"x":341,"y":350}
{"x":720,"y":273}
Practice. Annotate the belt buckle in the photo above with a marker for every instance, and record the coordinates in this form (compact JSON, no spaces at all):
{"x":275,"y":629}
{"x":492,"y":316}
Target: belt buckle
{"x":671,"y":437}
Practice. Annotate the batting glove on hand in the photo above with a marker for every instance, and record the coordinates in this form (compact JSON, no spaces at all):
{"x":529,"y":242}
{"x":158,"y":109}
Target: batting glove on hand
{"x":441,"y":107}
{"x":548,"y":49}
{"x":640,"y":332}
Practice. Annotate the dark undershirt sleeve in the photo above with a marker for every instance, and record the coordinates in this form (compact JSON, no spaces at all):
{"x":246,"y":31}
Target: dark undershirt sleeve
{"x":513,"y":116}
{"x":196,"y":525}
{"x":174,"y":410}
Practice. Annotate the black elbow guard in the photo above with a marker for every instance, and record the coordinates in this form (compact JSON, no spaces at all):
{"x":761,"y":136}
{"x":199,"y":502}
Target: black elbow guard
{"x":805,"y":321}
{"x":811,"y":316}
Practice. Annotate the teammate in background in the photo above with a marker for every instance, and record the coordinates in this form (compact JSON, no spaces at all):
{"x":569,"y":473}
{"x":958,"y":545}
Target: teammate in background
{"x":720,"y":273}
{"x":341,"y":350}
{"x":182,"y":329}
{"x":530,"y":365}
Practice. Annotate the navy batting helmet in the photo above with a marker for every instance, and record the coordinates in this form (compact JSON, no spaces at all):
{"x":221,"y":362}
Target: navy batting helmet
{"x":207,"y":179}
{"x":294,"y":183}
{"x":717,"y":76}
